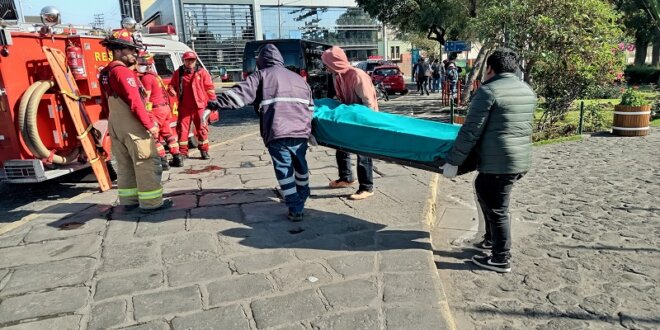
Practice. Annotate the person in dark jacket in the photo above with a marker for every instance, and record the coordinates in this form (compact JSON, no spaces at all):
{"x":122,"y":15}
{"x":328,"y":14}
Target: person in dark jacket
{"x":285,"y":106}
{"x":498,"y":128}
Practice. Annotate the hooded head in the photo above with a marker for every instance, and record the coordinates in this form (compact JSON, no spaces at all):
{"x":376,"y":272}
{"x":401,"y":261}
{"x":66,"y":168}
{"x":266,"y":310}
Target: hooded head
{"x":335,"y":59}
{"x":269,"y":56}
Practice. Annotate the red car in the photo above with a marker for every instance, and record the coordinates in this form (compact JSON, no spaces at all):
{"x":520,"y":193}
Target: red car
{"x":391,"y":77}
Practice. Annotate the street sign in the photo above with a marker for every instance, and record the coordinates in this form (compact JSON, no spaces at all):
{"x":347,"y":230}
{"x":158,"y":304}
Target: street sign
{"x":457,"y":46}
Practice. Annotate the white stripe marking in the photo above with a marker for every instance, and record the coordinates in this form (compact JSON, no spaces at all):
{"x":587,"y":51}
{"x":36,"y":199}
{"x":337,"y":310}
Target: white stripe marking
{"x":630,"y":128}
{"x":286,"y":181}
{"x":290,"y":191}
{"x":632,"y":113}
{"x":284,"y":99}
{"x":302,"y":182}
{"x":235,"y":97}
{"x":302,"y":176}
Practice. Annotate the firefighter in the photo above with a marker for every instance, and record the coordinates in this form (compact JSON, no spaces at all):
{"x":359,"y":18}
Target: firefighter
{"x":194,"y":87}
{"x":132,"y":130}
{"x":159,"y":108}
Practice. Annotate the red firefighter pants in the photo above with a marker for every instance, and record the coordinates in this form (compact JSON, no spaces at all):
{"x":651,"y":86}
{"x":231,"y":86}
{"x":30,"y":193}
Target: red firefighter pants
{"x":186,"y":116}
{"x":163,"y":116}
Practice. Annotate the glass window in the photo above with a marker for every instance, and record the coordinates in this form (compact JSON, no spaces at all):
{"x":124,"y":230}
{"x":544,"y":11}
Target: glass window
{"x":164,"y":65}
{"x":387,"y":72}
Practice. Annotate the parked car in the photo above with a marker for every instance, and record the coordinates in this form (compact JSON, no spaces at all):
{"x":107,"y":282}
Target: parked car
{"x":391,"y":77}
{"x":369,"y":66}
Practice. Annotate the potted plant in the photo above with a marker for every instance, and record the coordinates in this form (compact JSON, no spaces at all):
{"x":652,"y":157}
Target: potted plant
{"x":632,"y":116}
{"x":459,"y":115}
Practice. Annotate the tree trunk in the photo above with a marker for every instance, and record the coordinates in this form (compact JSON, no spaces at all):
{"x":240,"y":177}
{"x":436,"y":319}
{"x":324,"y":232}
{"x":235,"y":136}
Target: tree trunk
{"x":474,"y":74}
{"x":527,"y":74}
{"x":655,"y":56}
{"x":641,"y":46}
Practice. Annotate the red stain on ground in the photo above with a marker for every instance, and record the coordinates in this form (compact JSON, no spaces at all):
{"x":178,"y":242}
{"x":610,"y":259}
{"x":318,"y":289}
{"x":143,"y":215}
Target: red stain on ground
{"x":208,"y":168}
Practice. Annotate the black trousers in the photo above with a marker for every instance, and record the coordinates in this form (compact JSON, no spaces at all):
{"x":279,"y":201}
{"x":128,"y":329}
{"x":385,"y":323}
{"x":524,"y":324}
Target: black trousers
{"x":493,"y":194}
{"x":365,"y":170}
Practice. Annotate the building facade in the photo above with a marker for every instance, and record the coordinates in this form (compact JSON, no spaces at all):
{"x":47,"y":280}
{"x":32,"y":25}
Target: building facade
{"x":131,"y":8}
{"x":219,"y":29}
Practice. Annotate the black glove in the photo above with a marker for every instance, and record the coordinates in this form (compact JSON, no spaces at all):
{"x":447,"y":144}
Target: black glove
{"x":213,"y":105}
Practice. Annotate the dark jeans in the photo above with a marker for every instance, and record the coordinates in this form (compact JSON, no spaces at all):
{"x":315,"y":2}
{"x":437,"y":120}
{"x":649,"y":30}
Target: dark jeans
{"x":437,"y":85}
{"x":365,"y":170}
{"x":423,"y":84}
{"x":493,"y":194}
{"x":291,"y":170}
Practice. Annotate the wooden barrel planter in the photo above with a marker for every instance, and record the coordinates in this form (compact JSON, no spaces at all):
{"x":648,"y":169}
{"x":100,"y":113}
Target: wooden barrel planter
{"x":631,"y":120}
{"x":458,"y":119}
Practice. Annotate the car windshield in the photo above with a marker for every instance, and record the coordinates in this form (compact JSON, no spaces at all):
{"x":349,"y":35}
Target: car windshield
{"x":290,"y":53}
{"x":387,"y":72}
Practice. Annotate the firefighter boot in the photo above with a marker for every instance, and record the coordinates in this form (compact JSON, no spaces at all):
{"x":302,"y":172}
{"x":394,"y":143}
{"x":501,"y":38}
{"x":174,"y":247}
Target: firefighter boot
{"x":205,"y":155}
{"x":177,"y":160}
{"x":164,"y":163}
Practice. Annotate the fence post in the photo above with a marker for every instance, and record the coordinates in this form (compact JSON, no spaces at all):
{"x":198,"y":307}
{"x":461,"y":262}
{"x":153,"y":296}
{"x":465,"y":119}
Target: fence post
{"x":581,"y":117}
{"x":451,"y":110}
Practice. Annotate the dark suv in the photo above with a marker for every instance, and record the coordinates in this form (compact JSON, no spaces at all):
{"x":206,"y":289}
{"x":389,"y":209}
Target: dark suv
{"x":300,"y":56}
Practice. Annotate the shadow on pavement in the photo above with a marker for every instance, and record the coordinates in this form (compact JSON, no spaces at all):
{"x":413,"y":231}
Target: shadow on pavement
{"x":461,"y":258}
{"x":557,"y":314}
{"x":254,"y":218}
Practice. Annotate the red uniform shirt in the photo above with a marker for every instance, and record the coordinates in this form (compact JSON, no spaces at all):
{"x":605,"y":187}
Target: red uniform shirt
{"x":123,"y":82}
{"x":188,"y":101}
{"x":152,"y":84}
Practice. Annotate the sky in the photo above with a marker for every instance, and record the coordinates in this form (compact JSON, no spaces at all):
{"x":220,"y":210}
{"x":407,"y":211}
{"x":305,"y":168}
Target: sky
{"x":77,"y":11}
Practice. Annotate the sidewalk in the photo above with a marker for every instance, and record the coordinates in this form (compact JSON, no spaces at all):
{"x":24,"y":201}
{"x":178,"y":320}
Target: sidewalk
{"x":225,"y":257}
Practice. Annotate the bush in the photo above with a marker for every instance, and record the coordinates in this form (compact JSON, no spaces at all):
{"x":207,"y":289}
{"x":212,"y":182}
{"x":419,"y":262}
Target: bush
{"x":595,"y":119}
{"x":633,"y":98}
{"x":642,"y":74}
{"x":655,"y":110}
{"x":603,"y":92}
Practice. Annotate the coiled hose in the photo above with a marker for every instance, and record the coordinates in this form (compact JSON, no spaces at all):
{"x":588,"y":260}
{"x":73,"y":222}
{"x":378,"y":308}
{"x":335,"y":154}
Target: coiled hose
{"x":27,"y":123}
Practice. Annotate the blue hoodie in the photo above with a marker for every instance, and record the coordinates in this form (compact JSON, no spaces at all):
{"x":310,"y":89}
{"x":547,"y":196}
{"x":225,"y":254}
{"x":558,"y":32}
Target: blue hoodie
{"x":281,"y":97}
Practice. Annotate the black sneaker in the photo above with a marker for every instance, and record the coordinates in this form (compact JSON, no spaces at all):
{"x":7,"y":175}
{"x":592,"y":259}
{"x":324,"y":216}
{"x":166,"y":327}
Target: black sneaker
{"x":295,"y":217}
{"x":164,"y":164}
{"x":177,"y":161}
{"x":488,"y":263}
{"x":484,"y":244}
{"x":167,"y":203}
{"x":205,"y":155}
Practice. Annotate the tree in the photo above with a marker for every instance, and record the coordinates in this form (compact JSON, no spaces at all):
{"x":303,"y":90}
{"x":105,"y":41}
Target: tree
{"x":640,"y":20}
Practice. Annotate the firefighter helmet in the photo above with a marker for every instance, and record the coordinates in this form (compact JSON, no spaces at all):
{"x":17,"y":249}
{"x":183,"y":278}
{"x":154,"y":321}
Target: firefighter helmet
{"x":145,"y":58}
{"x":189,"y":55}
{"x":121,"y":39}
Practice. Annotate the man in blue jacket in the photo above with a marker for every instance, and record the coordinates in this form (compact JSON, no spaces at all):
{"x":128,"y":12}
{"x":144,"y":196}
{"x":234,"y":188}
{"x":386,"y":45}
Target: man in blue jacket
{"x":498,"y":129}
{"x":285,"y":106}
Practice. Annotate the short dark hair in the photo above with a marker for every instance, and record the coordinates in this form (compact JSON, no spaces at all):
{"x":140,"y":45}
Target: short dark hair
{"x":503,"y":60}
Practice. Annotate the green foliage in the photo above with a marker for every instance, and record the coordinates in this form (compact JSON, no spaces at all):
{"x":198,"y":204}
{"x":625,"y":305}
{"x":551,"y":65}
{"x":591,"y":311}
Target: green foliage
{"x":606,"y":91}
{"x":595,"y":118}
{"x":642,"y":74}
{"x":633,"y":98}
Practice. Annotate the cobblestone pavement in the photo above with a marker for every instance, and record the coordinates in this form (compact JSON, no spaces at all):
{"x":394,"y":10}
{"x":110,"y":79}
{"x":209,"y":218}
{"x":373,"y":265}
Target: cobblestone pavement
{"x":586,"y":242}
{"x":225,"y":257}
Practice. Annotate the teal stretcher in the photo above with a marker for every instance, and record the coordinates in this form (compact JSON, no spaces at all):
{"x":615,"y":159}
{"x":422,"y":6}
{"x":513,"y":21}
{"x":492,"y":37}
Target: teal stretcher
{"x":404,"y":140}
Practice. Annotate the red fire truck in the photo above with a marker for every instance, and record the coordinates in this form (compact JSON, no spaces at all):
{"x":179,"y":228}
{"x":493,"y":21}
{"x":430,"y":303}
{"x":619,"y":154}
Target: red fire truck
{"x":38,"y":137}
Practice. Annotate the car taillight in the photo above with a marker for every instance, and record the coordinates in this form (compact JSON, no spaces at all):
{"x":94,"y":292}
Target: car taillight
{"x":245,"y":75}
{"x":303,"y":73}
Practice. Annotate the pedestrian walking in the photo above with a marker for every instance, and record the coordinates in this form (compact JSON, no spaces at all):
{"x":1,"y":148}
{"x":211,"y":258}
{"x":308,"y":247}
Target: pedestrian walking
{"x":131,"y":129}
{"x":498,"y":127}
{"x":158,"y":106}
{"x":194,"y":87}
{"x":423,"y":75}
{"x":452,"y":79}
{"x":438,"y":72}
{"x":285,"y":106}
{"x":353,"y":86}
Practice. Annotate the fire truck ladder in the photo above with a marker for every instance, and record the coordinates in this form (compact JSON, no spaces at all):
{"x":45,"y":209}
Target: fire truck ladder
{"x":68,"y":87}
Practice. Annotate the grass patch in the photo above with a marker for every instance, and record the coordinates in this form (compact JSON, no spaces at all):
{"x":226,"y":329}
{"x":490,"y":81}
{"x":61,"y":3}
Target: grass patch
{"x":558,"y":140}
{"x":655,"y":122}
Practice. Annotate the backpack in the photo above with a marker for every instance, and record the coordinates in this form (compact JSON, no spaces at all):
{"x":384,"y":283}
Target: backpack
{"x":452,"y":74}
{"x":436,"y":70}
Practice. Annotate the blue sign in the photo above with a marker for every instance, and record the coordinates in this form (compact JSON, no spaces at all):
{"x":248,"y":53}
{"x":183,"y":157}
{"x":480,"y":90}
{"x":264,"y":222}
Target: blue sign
{"x":457,"y":46}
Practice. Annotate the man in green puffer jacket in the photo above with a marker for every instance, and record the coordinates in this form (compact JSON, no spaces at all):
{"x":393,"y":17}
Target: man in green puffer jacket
{"x":498,"y":129}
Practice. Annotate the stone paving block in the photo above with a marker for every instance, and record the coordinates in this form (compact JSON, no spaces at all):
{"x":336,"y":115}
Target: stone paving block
{"x":266,"y":175}
{"x":241,"y":153}
{"x":70,"y":322}
{"x":14,"y":237}
{"x":158,"y":224}
{"x":197,"y":271}
{"x":354,"y":265}
{"x":228,"y":181}
{"x":320,"y":248}
{"x":184,"y":202}
{"x":299,"y":275}
{"x":189,"y":247}
{"x":108,"y":287}
{"x":238,"y":288}
{"x":108,"y":314}
{"x":403,"y":240}
{"x":358,"y":320}
{"x":406,"y":261}
{"x":167,"y":302}
{"x":251,"y":170}
{"x":185,"y":186}
{"x":230,"y":317}
{"x":120,"y":231}
{"x":42,"y":304}
{"x":156,"y":325}
{"x":261,"y":261}
{"x":261,"y":212}
{"x":290,"y":308}
{"x":418,"y":287}
{"x":415,"y":317}
{"x":269,"y":183}
{"x":238,"y":196}
{"x":215,"y":218}
{"x":79,"y":246}
{"x":49,"y":275}
{"x":351,"y":294}
{"x":130,"y":256}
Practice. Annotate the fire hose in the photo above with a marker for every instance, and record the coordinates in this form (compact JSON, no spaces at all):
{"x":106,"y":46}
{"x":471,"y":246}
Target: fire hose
{"x":27,"y":122}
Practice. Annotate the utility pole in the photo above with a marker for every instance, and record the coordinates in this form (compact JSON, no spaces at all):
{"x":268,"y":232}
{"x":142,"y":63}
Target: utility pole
{"x":99,"y":21}
{"x":21,"y":17}
{"x":279,"y":20}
